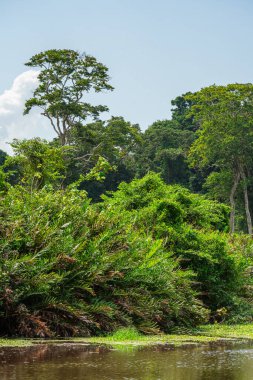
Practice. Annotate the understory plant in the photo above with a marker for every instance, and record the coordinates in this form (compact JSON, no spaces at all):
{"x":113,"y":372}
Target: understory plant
{"x":150,"y":256}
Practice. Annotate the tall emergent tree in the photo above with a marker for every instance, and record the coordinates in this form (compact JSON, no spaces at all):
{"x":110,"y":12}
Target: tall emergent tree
{"x":65,"y":76}
{"x":225,"y":137}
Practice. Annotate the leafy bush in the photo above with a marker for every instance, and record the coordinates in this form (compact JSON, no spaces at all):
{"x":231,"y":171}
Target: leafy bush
{"x":192,"y":228}
{"x":148,"y":257}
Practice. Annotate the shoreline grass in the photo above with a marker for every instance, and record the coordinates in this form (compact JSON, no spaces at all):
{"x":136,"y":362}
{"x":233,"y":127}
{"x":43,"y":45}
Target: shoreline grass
{"x":130,"y":337}
{"x":244,"y":331}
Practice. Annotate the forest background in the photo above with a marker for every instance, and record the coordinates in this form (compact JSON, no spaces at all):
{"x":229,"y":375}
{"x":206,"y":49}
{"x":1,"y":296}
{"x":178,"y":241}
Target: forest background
{"x":107,"y":226}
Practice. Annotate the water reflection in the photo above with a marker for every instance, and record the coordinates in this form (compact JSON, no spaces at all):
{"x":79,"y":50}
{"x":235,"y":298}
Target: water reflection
{"x":78,"y":362}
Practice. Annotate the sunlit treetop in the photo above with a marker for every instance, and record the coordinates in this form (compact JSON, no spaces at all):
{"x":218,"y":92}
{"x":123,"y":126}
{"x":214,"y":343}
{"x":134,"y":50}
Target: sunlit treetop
{"x":64,"y":77}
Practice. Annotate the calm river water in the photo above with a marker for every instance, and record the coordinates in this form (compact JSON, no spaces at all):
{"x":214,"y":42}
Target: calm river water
{"x":78,"y":362}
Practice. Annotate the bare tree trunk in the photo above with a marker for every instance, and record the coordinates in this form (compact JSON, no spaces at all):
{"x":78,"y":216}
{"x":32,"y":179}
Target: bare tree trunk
{"x":232,"y":201}
{"x":246,"y":201}
{"x":62,"y":138}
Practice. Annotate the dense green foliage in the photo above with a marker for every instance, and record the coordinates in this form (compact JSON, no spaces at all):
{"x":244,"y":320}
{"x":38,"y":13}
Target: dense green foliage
{"x":116,"y":140}
{"x":108,"y":227}
{"x":193,"y":230}
{"x":225,"y":117}
{"x":69,"y":267}
{"x":164,"y":150}
{"x":65,"y":75}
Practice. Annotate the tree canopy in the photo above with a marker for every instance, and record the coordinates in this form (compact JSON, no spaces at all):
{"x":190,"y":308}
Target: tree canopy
{"x":64,"y":77}
{"x":109,"y":226}
{"x":225,"y":138}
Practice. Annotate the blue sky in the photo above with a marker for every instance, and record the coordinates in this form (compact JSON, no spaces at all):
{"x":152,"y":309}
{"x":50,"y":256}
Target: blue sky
{"x":155,"y":51}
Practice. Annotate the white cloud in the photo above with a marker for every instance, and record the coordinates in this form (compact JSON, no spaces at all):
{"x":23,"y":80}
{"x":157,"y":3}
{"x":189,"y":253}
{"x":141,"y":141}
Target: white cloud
{"x":13,"y":124}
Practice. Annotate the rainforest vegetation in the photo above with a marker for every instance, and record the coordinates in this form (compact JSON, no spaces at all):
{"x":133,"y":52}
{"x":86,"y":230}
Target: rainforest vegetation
{"x":110,"y":226}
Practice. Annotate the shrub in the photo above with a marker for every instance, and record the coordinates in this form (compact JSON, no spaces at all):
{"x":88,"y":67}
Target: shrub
{"x":149,"y":256}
